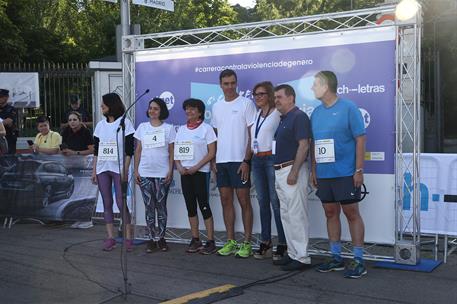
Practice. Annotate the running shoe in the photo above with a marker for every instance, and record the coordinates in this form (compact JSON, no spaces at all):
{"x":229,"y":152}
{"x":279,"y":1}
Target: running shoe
{"x":229,"y":248}
{"x":245,"y":250}
{"x":355,"y":270}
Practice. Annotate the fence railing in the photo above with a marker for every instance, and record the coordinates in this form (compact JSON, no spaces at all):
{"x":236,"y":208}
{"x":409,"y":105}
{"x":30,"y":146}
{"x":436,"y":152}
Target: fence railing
{"x":57,"y":82}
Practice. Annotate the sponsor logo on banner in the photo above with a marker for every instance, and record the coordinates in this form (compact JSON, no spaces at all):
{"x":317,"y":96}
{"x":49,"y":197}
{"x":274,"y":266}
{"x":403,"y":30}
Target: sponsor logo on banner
{"x":169,"y":99}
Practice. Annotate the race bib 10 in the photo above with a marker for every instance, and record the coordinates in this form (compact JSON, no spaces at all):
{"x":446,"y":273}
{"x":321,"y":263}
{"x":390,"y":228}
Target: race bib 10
{"x":324,"y":151}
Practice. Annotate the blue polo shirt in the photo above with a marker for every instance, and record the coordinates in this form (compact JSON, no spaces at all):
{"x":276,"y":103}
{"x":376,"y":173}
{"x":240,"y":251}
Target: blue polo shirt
{"x":293,"y":127}
{"x":343,"y":123}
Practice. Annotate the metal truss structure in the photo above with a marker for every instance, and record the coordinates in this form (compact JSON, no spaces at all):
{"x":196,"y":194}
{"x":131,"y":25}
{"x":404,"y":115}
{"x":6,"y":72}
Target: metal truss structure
{"x":407,"y":98}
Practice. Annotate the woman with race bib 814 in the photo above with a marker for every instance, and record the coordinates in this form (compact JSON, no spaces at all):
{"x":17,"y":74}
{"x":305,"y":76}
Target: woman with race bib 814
{"x":108,"y":159}
{"x":154,"y":168}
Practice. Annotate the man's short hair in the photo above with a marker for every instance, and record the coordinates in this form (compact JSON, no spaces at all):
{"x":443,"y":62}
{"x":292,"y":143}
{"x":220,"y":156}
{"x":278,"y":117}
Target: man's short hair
{"x":4,"y":92}
{"x":42,"y":119}
{"x":288,"y":90}
{"x":227,"y":73}
{"x":329,"y":78}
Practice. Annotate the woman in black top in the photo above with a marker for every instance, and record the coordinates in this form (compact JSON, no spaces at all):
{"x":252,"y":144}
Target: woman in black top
{"x":76,"y":138}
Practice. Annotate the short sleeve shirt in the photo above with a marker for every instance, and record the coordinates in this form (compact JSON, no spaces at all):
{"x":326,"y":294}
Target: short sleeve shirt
{"x":263,"y":130}
{"x":51,"y":140}
{"x":107,"y":133}
{"x":293,"y":127}
{"x":155,"y":161}
{"x":343,"y":123}
{"x":200,"y":138}
{"x":232,"y":119}
{"x":79,"y":140}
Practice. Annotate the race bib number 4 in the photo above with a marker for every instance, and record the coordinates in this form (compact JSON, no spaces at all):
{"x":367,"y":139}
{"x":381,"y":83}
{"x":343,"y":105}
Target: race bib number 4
{"x":107,"y":151}
{"x":184,"y":150}
{"x":324,"y":151}
{"x":154,"y":139}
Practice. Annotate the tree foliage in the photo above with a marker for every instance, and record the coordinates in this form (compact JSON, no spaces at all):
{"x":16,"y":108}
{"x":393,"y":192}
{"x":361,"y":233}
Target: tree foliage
{"x":81,"y":30}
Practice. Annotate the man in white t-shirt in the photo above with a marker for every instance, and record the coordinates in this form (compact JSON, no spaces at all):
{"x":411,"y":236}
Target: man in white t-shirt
{"x":232,"y":119}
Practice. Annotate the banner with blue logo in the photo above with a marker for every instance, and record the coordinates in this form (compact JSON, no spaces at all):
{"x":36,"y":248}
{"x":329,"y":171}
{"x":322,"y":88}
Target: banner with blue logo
{"x":364,"y":62}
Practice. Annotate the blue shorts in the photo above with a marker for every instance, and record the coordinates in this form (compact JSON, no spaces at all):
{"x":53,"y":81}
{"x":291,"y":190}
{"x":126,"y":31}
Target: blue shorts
{"x":338,"y":190}
{"x":227,"y":176}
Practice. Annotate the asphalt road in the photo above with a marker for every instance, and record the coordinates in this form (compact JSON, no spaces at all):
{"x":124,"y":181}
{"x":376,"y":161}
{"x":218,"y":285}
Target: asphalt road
{"x":42,"y":264}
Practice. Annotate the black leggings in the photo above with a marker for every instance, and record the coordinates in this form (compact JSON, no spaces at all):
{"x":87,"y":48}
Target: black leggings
{"x":195,"y":188}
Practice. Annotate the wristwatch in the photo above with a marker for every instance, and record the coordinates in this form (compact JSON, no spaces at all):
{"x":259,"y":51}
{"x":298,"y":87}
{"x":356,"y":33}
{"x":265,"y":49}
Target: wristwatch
{"x":359,"y":170}
{"x":247,"y":161}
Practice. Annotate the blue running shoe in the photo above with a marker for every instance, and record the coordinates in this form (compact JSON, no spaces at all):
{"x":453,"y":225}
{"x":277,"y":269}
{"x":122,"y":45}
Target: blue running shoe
{"x":355,"y":270}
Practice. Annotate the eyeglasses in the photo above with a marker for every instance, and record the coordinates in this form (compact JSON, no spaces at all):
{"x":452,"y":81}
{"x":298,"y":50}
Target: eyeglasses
{"x":259,"y":94}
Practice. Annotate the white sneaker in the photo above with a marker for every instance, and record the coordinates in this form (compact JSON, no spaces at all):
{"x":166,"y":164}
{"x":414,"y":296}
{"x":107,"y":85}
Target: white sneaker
{"x":85,"y":225}
{"x":75,"y":225}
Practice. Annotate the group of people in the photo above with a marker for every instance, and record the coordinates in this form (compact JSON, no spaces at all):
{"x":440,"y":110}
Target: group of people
{"x":272,"y":138}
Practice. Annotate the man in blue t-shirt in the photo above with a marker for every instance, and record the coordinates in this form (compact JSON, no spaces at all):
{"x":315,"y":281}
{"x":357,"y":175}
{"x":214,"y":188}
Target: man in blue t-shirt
{"x":338,"y":149}
{"x":290,"y":151}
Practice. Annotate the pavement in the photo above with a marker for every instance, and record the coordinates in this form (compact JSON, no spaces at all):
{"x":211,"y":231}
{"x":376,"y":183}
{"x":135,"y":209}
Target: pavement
{"x":55,"y":264}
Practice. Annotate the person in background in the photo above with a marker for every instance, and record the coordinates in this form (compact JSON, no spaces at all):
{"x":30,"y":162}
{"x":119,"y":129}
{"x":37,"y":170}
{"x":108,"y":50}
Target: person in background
{"x":77,"y":140}
{"x":46,"y":141}
{"x":154,"y":168}
{"x":195,"y":147}
{"x":3,"y":142}
{"x":262,"y":133}
{"x":8,"y":114}
{"x":108,"y":157}
{"x":75,"y":106}
{"x":76,"y":137}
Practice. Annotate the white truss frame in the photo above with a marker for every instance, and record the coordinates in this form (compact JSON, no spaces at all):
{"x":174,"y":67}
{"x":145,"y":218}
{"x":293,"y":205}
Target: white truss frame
{"x":407,"y":74}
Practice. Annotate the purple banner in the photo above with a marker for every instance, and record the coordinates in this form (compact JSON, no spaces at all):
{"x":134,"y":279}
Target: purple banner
{"x":365,"y":71}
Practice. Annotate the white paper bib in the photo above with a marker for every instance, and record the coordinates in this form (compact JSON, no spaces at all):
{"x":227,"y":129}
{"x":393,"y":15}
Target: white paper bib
{"x":324,"y":151}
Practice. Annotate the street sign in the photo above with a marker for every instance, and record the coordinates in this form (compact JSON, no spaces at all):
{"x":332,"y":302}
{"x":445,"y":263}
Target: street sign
{"x":168,"y":5}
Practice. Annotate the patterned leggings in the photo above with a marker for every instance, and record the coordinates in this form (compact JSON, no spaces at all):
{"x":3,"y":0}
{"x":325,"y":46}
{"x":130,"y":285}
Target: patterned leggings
{"x":155,"y":192}
{"x":105,"y":182}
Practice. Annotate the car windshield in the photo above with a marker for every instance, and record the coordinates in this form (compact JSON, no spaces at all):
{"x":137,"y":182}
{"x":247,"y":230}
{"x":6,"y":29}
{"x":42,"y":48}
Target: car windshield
{"x":25,"y":167}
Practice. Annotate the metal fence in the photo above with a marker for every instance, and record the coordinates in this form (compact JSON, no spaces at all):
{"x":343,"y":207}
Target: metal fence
{"x":57,"y":82}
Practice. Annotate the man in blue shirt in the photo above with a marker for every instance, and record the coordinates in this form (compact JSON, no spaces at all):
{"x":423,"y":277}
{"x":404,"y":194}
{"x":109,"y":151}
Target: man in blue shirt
{"x":338,"y":150}
{"x":291,"y":177}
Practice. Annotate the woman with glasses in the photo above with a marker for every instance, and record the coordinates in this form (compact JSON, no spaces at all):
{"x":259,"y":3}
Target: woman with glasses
{"x":76,"y":138}
{"x":265,"y":124}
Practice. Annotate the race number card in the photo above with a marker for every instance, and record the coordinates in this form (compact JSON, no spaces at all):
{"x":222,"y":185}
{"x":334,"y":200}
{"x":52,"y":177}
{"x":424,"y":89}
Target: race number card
{"x":184,"y":150}
{"x":107,"y":151}
{"x":154,"y":139}
{"x":324,"y":151}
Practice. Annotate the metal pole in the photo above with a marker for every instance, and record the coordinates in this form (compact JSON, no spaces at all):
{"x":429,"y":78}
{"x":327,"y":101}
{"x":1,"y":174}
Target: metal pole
{"x":125,"y":17}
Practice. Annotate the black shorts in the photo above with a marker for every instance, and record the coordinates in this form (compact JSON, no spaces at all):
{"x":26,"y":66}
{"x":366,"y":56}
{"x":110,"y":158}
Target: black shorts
{"x":338,"y":190}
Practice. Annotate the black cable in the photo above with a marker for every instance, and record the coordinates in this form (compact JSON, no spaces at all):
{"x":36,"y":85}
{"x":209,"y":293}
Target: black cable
{"x":81,"y":271}
{"x":117,"y":292}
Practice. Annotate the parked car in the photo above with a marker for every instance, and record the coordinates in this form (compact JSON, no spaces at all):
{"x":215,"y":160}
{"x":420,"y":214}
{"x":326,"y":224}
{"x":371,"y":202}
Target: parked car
{"x":34,"y":184}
